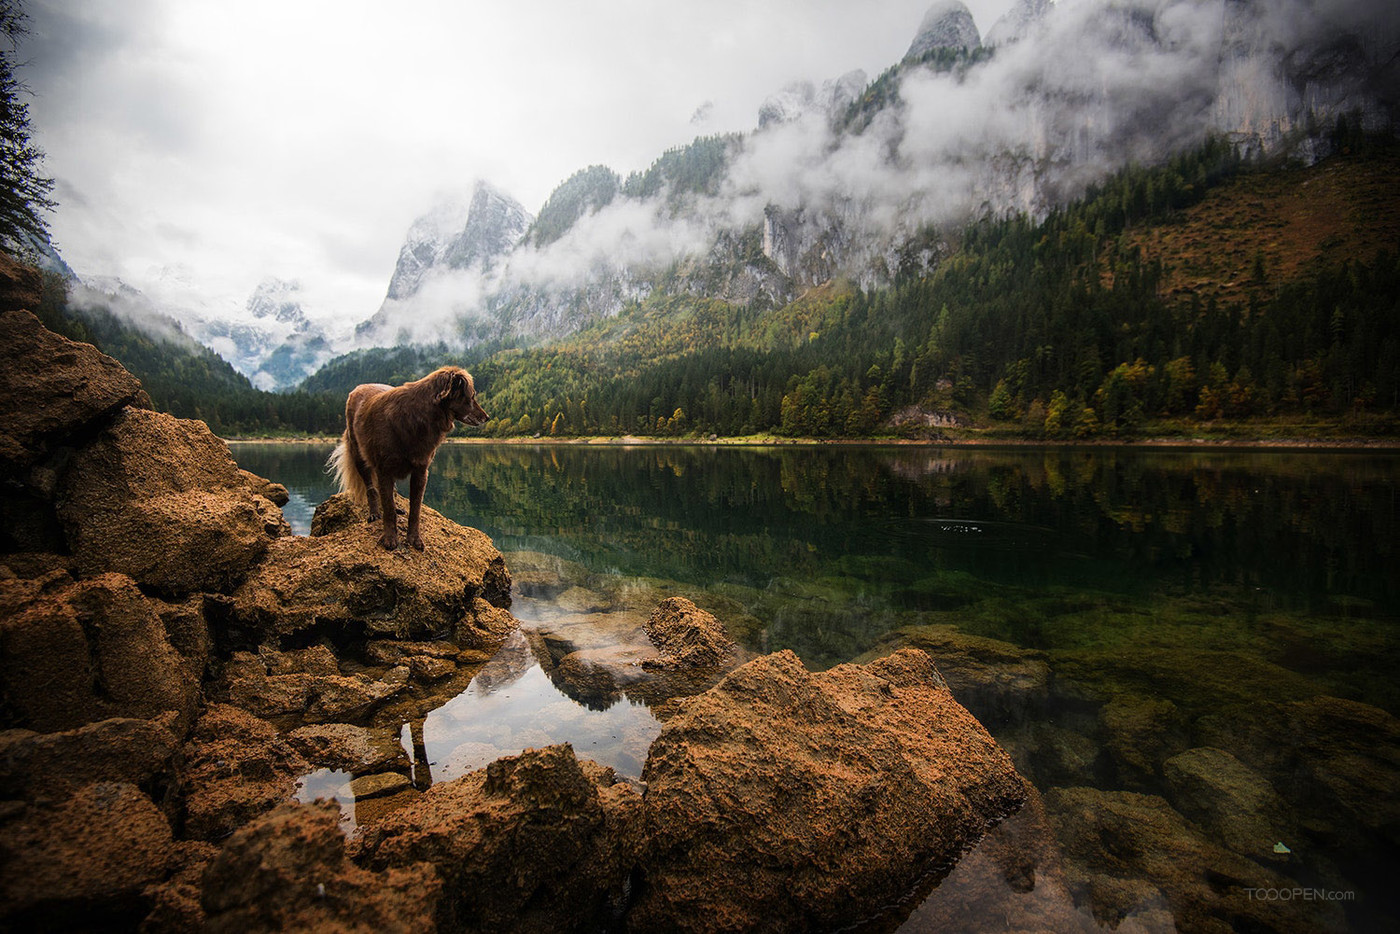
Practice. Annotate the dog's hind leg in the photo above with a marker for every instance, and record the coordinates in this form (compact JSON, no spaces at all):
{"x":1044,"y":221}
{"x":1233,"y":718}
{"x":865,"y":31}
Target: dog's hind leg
{"x":370,"y":488}
{"x":417,"y":480}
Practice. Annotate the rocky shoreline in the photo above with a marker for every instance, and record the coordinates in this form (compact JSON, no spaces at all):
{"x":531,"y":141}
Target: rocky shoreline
{"x":173,"y":660}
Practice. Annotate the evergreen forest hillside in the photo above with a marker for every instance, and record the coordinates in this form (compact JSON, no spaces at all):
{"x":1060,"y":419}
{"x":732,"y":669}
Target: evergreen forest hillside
{"x":1207,"y":295}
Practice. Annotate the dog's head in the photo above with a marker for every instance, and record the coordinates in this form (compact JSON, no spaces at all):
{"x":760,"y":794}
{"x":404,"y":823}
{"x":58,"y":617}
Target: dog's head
{"x":456,"y":392}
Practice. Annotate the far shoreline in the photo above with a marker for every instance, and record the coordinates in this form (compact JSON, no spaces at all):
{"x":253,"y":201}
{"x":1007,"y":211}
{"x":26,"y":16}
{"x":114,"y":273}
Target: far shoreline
{"x":766,"y":441}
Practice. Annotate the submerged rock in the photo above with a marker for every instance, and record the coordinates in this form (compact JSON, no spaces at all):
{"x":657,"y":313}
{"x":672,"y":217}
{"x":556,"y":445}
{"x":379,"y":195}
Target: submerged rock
{"x":783,"y":800}
{"x":1236,"y":803}
{"x":534,"y":842}
{"x":339,"y":581}
{"x":1133,"y":853}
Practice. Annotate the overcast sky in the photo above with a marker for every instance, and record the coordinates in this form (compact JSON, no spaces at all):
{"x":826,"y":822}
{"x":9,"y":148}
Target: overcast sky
{"x":299,"y":138}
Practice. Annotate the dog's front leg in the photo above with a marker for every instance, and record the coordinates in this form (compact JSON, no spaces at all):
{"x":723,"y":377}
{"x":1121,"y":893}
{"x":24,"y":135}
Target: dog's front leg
{"x":390,"y":539}
{"x":417,"y":480}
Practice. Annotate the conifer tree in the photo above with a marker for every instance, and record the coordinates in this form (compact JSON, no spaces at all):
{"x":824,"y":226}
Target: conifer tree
{"x":24,"y":192}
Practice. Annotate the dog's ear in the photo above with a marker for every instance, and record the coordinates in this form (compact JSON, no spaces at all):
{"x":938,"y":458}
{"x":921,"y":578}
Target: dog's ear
{"x":443,"y":384}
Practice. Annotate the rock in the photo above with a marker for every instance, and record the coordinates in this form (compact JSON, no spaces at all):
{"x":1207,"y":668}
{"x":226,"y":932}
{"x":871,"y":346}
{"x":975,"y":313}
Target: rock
{"x":534,"y":842}
{"x":1234,"y":802}
{"x":235,"y":768}
{"x":342,"y":581}
{"x":1207,"y":887}
{"x":161,"y":500}
{"x":1336,"y":761}
{"x":45,"y":766}
{"x":394,"y":652}
{"x":687,"y":636}
{"x":379,"y":785}
{"x":348,"y":748}
{"x":315,"y":660}
{"x":249,"y":684}
{"x":90,"y":856}
{"x":287,"y":871}
{"x":997,"y":681}
{"x":783,"y":800}
{"x":265,"y":488}
{"x":55,"y":391}
{"x":72,"y":653}
{"x":424,"y":668}
{"x":175,"y":903}
{"x":21,"y":284}
{"x":342,"y":698}
{"x":1140,"y":734}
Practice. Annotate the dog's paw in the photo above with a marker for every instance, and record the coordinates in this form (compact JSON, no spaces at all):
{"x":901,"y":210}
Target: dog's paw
{"x":415,"y":541}
{"x":389,"y":543}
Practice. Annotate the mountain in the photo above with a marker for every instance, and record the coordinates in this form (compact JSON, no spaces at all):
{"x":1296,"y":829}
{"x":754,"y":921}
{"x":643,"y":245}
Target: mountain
{"x":947,"y":25}
{"x":448,"y":258}
{"x":870,"y":181}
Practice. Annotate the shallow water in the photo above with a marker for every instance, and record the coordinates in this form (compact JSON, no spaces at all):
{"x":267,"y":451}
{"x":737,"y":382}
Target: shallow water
{"x":1199,"y":641}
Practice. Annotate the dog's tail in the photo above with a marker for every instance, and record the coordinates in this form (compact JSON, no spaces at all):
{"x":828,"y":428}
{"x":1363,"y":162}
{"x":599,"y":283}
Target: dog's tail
{"x":341,"y":465}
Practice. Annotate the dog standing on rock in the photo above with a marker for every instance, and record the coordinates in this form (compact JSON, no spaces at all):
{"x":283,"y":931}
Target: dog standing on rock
{"x":392,"y":433}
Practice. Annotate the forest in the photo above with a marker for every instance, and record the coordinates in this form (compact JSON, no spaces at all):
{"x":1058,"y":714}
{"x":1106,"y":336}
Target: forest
{"x":1168,"y":299}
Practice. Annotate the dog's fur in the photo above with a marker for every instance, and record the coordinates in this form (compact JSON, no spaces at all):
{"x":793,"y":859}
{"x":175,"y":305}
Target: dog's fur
{"x":393,"y":433}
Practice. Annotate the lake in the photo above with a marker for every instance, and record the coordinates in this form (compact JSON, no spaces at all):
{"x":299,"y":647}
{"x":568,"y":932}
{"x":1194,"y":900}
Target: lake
{"x":1191,"y":653}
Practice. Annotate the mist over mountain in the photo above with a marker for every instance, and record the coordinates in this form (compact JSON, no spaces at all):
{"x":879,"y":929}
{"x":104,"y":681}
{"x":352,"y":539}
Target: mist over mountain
{"x":272,"y":340}
{"x":849,"y":179}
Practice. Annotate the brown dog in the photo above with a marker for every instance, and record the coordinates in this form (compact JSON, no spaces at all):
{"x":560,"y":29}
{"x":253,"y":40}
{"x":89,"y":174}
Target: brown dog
{"x":393,"y":433}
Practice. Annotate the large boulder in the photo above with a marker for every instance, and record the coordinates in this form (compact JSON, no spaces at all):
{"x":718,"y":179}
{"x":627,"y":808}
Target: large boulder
{"x":534,"y":842}
{"x":784,"y":800}
{"x":72,"y":653}
{"x":341,"y":581}
{"x":287,"y":871}
{"x":55,"y":390}
{"x":90,"y":856}
{"x":160,"y":499}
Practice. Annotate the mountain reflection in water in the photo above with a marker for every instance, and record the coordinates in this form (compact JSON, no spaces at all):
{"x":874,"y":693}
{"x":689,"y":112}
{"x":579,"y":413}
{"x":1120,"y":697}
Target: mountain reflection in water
{"x":1190,"y":653}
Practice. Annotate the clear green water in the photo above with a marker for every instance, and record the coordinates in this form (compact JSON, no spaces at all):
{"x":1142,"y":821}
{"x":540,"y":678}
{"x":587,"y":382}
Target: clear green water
{"x":1103,"y":611}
